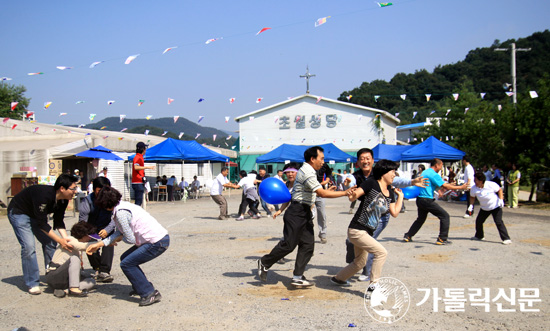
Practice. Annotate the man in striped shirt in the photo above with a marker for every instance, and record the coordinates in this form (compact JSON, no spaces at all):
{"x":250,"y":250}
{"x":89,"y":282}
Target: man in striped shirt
{"x":298,"y":220}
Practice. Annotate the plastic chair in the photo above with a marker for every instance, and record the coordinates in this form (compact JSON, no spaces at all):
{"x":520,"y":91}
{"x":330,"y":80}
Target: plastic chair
{"x":162,"y":191}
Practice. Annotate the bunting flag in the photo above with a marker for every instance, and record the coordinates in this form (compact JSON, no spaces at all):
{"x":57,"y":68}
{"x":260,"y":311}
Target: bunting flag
{"x":214,"y":137}
{"x":376,"y":97}
{"x":258,"y":100}
{"x":5,"y":120}
{"x":448,"y":111}
{"x":169,"y":49}
{"x":414,"y":114}
{"x":428,"y":96}
{"x":131,"y":58}
{"x":321,"y":21}
{"x":276,"y":118}
{"x":359,"y":117}
{"x":318,"y":99}
{"x":466,"y":110}
{"x":164,"y":133}
{"x":35,"y":73}
{"x":482,"y":95}
{"x":110,"y":102}
{"x":349,"y":97}
{"x":180,"y":135}
{"x":62,"y":114}
{"x":233,"y":147}
{"x":146,"y":132}
{"x":47,"y":104}
{"x":250,"y":118}
{"x":198,"y":135}
{"x":123,"y":129}
{"x":228,"y":138}
{"x":201,"y":100}
{"x":396,"y":114}
{"x":4,"y":78}
{"x":14,"y":104}
{"x":35,"y":129}
{"x":212,"y":40}
{"x":105,"y":137}
{"x":170,"y":100}
{"x":499,"y":107}
{"x":231,"y":100}
{"x":433,"y":111}
{"x":82,"y":125}
{"x":93,"y":65}
{"x":263,"y":30}
{"x":403,"y":96}
{"x":63,"y":68}
{"x":140,"y":102}
{"x":122,"y":117}
{"x":120,"y":138}
{"x":226,"y":119}
{"x":384,"y":4}
{"x":13,"y":126}
{"x":533,"y":94}
{"x":103,"y":128}
{"x":455,"y":96}
{"x":176,"y":119}
{"x":509,"y":93}
{"x":79,"y":102}
{"x":200,"y":119}
{"x":148,"y":117}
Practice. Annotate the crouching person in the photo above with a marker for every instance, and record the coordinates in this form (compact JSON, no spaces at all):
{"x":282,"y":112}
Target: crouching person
{"x":136,"y":227}
{"x":64,"y":269}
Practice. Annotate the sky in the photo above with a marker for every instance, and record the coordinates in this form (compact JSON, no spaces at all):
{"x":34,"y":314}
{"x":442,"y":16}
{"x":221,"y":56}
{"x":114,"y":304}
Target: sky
{"x":360,"y":42}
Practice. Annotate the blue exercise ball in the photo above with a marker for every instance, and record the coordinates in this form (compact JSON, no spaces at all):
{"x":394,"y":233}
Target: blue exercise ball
{"x":411,"y":192}
{"x":274,"y":191}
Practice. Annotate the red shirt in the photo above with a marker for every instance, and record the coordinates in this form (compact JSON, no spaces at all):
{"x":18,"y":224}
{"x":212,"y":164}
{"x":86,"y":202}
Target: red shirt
{"x":137,"y":175}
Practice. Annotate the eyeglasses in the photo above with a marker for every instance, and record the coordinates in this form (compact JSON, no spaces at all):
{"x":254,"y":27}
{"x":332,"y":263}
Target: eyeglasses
{"x":72,"y":189}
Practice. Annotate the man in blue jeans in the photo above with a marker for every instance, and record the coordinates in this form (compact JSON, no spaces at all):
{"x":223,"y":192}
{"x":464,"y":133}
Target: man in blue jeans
{"x":426,"y":204}
{"x":28,"y":214}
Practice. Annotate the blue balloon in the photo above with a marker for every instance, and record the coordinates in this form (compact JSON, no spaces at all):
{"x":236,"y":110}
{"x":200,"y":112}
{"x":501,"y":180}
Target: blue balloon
{"x":274,"y":191}
{"x":411,"y":192}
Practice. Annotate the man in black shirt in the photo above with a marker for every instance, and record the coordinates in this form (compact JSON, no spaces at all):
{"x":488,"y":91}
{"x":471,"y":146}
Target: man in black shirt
{"x":28,"y":214}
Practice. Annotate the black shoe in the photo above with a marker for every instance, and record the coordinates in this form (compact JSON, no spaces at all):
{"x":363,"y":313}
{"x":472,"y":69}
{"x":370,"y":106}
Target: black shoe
{"x":104,"y":277}
{"x":59,"y":293}
{"x":407,"y":238}
{"x":80,"y":294}
{"x":301,"y":283}
{"x":262,"y":271}
{"x":440,"y":241}
{"x":150,"y":299}
{"x":338,"y":282}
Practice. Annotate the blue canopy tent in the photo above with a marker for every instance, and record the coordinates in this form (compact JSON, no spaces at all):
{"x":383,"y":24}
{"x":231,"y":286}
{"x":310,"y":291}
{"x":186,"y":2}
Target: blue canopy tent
{"x":430,"y":149}
{"x":100,"y":152}
{"x":295,"y":153}
{"x":389,"y":152}
{"x":172,"y":150}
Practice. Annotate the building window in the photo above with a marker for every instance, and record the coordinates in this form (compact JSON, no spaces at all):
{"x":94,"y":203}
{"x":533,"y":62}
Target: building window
{"x":200,"y":169}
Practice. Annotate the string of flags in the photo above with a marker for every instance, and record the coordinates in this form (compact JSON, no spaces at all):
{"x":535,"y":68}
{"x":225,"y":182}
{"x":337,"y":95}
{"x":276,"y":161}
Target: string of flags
{"x":455,"y":96}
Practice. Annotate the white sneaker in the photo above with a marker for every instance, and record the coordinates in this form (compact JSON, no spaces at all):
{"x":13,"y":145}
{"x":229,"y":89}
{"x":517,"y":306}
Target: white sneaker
{"x":507,"y":242}
{"x":466,"y":216}
{"x":363,"y":278}
{"x":35,"y":290}
{"x":240,"y":218}
{"x":301,"y":283}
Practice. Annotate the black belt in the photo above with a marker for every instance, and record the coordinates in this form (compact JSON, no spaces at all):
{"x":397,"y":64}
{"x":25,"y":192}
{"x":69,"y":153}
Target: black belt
{"x":301,"y":203}
{"x":427,"y":198}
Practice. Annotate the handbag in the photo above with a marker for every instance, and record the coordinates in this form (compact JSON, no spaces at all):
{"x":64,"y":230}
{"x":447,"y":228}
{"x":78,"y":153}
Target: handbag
{"x":371,"y":213}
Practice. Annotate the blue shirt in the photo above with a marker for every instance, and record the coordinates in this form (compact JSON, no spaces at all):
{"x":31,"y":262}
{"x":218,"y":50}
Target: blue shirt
{"x":435,"y":181}
{"x":497,"y":175}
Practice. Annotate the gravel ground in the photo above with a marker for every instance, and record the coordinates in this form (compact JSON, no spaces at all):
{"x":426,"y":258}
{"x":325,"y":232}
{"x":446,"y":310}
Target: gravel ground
{"x":207,"y":277}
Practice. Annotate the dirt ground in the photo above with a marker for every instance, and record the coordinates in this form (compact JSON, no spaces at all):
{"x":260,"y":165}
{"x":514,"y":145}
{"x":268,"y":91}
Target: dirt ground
{"x":207,"y":277}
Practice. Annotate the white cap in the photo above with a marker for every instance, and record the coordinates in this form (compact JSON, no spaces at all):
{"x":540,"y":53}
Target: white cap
{"x":76,"y":170}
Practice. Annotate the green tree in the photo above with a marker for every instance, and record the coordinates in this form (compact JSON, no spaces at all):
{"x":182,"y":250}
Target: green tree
{"x":10,"y":93}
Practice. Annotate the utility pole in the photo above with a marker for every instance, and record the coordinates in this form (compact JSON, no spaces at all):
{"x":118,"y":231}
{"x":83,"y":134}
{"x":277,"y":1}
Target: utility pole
{"x":513,"y":66}
{"x":307,"y":76}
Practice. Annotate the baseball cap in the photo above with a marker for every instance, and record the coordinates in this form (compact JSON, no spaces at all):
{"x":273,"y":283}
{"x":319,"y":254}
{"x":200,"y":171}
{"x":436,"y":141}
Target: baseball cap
{"x":141,"y":145}
{"x":104,"y":168}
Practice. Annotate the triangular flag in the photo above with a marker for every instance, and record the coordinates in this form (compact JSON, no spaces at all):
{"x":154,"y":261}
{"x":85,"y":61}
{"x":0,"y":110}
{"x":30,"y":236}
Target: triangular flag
{"x":318,"y":99}
{"x":103,"y":128}
{"x":466,"y":110}
{"x":82,"y":125}
{"x":35,"y":73}
{"x":198,"y":135}
{"x":448,"y":111}
{"x":384,"y":4}
{"x":29,"y":114}
{"x":123,"y":129}
{"x":276,"y":118}
{"x":170,"y":100}
{"x":433,"y":111}
{"x":180,"y":135}
{"x":14,"y":104}
{"x":140,"y":102}
{"x":321,"y":21}
{"x":212,"y":40}
{"x":200,"y":100}
{"x":428,"y":96}
{"x":250,"y":118}
{"x":403,"y":96}
{"x":359,"y":117}
{"x":122,"y":117}
{"x":79,"y":102}
{"x":176,"y":118}
{"x":376,"y":98}
{"x":131,"y":58}
{"x":214,"y":137}
{"x":396,"y":114}
{"x":533,"y":94}
{"x":509,"y":93}
{"x":164,"y":133}
{"x":455,"y":96}
{"x":446,"y":138}
{"x":110,"y":102}
{"x":263,"y":30}
{"x":499,"y":107}
{"x":349,"y":97}
{"x":200,"y":119}
{"x":228,"y":137}
{"x":482,"y":95}
{"x":92,"y":116}
{"x":231,"y":100}
{"x":148,"y":117}
{"x":35,"y":129}
{"x":63,"y":68}
{"x":95,"y":64}
{"x":414,"y":114}
{"x":226,"y":119}
{"x":62,"y":114}
{"x":47,"y":104}
{"x":168,"y":49}
{"x":258,"y":100}
{"x":13,"y":126}
{"x":146,"y":132}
